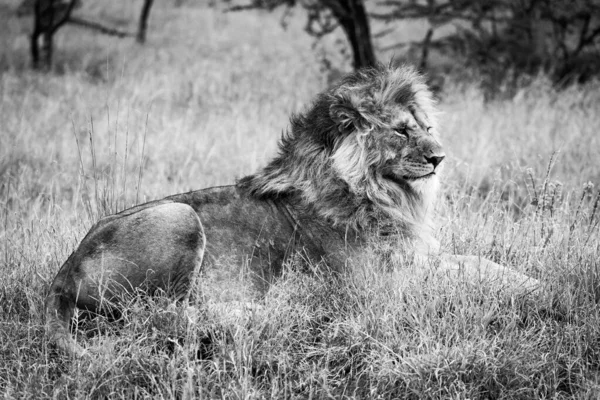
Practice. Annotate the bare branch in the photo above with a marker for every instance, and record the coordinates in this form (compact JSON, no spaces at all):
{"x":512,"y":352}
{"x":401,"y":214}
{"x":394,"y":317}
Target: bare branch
{"x":244,"y":7}
{"x":65,"y":16}
{"x":99,"y":27}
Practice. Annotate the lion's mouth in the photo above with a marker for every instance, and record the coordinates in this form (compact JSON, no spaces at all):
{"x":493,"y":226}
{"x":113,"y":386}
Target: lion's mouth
{"x":398,"y":180}
{"x":418,"y":178}
{"x":402,"y":180}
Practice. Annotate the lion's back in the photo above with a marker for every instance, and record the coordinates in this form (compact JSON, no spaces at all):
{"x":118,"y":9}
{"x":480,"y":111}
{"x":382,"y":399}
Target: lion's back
{"x":233,"y":219}
{"x":243,"y":234}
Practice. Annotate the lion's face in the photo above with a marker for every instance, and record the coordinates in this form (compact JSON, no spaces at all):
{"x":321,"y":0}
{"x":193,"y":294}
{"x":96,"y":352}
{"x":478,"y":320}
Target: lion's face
{"x":398,"y":146}
{"x":366,"y":148}
{"x":409,"y":151}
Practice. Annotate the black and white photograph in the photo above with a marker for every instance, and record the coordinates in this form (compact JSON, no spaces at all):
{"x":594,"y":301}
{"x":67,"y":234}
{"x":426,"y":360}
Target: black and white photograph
{"x":300,"y":199}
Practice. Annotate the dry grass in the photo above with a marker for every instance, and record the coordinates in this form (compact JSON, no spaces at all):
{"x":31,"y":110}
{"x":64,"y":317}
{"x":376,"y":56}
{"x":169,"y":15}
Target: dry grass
{"x":203,"y":103}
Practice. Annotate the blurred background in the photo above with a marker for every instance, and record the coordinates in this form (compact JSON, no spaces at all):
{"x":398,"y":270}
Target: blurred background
{"x":116,"y":102}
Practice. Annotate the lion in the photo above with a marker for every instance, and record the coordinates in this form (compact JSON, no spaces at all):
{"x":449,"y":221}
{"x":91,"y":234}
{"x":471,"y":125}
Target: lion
{"x":361,"y":164}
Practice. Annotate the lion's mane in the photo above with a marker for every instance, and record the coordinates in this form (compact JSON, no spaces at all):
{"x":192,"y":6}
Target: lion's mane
{"x":327,"y":160}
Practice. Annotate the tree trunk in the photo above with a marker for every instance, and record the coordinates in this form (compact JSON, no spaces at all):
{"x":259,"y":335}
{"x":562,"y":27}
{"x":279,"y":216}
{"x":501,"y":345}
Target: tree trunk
{"x":47,"y":47}
{"x":35,"y":35}
{"x":48,"y":16}
{"x":143,"y":25}
{"x":425,"y":49}
{"x":352,"y":17}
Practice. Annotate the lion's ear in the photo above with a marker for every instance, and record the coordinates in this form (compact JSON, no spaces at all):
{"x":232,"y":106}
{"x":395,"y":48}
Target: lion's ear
{"x":345,"y":114}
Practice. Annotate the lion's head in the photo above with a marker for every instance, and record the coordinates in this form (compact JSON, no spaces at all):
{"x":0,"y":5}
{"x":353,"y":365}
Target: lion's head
{"x":366,"y":151}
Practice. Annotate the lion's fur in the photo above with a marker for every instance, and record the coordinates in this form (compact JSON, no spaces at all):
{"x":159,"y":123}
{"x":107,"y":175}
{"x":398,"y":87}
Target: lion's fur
{"x":326,"y":159}
{"x":360,"y":163}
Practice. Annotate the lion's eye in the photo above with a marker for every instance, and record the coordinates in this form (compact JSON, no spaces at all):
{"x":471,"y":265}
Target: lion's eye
{"x":402,"y":132}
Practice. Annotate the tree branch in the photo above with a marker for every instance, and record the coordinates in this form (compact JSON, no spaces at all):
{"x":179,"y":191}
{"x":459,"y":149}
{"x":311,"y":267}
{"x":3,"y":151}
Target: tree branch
{"x":65,"y":17}
{"x":143,"y":22}
{"x":99,"y":27}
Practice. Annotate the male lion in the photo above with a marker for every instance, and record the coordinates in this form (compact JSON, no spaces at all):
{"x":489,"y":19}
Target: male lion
{"x":360,"y":164}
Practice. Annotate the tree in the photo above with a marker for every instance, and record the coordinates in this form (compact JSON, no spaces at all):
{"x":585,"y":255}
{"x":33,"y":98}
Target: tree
{"x":501,"y":39}
{"x":324,"y":16}
{"x":524,"y":36}
{"x":50,"y":15}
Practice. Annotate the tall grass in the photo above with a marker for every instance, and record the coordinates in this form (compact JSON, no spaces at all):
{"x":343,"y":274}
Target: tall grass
{"x":205,"y":102}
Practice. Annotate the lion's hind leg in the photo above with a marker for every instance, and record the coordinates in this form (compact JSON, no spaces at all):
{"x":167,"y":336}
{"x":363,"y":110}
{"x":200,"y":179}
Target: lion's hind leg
{"x":157,"y":246}
{"x":59,"y":310}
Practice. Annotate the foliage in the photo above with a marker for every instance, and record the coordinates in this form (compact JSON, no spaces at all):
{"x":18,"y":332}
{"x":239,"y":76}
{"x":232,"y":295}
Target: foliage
{"x":503,"y":37}
{"x":50,"y":15}
{"x":502,"y":40}
{"x":324,"y":16}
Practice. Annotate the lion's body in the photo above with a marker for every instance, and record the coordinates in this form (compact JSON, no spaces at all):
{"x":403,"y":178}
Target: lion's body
{"x":249,"y":240}
{"x":360,"y":165}
{"x":240,"y":244}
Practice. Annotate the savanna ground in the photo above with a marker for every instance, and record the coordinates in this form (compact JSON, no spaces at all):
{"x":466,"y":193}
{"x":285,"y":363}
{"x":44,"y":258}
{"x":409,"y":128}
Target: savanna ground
{"x":204,"y":102}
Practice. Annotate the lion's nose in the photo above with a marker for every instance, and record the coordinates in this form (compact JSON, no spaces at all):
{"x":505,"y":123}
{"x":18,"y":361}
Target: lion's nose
{"x":435,"y":160}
